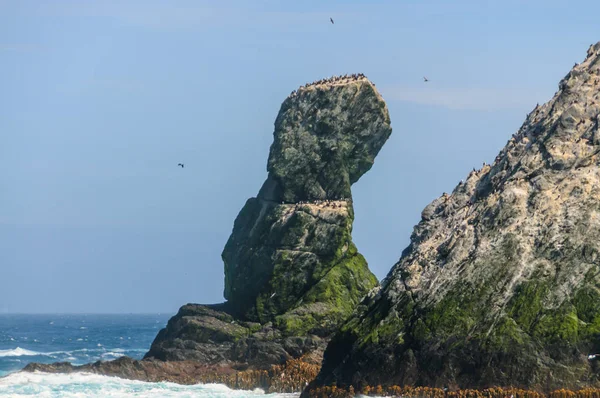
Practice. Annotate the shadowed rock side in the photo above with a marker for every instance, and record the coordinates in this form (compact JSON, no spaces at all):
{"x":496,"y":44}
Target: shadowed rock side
{"x":500,"y":284}
{"x":292,"y":273}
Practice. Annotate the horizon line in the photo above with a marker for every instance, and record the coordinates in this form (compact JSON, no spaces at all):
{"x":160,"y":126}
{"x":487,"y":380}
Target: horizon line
{"x":83,"y":313}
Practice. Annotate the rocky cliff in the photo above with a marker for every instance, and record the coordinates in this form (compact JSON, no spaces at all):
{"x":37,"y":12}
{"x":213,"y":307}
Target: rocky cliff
{"x":500,"y":285}
{"x":292,"y":272}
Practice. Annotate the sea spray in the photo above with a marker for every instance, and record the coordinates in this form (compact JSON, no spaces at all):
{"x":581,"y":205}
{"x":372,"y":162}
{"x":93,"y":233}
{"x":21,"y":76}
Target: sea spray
{"x":91,"y":386}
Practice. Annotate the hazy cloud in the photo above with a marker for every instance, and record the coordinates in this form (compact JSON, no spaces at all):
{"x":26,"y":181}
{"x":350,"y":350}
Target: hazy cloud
{"x":471,"y":98}
{"x":22,"y":48}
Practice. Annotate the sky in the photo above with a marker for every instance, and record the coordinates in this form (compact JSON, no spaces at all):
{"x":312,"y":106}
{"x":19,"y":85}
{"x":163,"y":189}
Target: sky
{"x":99,"y":101}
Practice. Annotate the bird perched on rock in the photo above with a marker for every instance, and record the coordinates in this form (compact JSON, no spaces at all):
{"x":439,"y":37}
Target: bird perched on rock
{"x":180,"y":165}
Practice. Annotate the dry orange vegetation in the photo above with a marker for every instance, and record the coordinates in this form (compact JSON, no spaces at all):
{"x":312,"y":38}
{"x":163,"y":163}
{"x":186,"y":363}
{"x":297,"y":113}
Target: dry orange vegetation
{"x":291,"y":377}
{"x":427,"y":392}
{"x":296,"y":374}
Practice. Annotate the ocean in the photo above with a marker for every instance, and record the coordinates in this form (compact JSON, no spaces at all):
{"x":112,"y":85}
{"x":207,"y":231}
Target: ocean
{"x":83,"y":339}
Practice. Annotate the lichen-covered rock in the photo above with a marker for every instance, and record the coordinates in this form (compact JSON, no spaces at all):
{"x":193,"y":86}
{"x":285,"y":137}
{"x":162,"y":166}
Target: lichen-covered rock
{"x":298,"y":228}
{"x":292,"y":272}
{"x":500,"y":285}
{"x":326,"y":137}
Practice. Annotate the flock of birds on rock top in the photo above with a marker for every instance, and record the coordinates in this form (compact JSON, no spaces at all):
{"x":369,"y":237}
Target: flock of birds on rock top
{"x":333,"y":79}
{"x":333,"y":203}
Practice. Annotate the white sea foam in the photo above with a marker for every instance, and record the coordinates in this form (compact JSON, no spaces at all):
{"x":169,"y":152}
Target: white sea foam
{"x":111,"y":355}
{"x":115,"y":352}
{"x":18,"y":352}
{"x":89,"y":385}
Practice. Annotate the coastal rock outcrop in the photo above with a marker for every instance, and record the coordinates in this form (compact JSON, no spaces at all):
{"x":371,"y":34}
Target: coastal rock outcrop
{"x":500,"y":285}
{"x":290,"y":377}
{"x":292,"y":272}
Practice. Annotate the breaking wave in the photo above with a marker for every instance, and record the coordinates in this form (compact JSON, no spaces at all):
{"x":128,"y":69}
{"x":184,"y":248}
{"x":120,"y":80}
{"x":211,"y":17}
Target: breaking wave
{"x":91,"y":385}
{"x":18,"y":352}
{"x":114,"y":352}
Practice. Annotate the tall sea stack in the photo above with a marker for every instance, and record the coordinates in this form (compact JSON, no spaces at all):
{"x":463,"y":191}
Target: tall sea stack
{"x":500,"y":285}
{"x":292,"y":272}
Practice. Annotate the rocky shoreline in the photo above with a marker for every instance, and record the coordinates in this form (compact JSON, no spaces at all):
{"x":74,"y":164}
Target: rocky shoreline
{"x":291,"y":377}
{"x":429,"y":392}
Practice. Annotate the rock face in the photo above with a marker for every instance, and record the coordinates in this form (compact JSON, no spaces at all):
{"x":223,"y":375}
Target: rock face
{"x":500,"y":285}
{"x":292,"y":273}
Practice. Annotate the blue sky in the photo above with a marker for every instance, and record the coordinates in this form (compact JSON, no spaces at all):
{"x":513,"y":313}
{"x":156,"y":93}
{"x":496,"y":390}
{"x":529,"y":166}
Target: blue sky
{"x":100,"y":100}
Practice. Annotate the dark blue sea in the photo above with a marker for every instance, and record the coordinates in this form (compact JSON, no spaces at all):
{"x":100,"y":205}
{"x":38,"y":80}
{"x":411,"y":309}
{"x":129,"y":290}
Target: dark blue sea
{"x":77,"y":339}
{"x":81,"y":339}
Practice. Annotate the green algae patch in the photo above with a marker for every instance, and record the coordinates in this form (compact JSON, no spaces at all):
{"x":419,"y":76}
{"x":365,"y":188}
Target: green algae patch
{"x":344,"y":283}
{"x":587,"y":305}
{"x":388,"y":331}
{"x":527,"y":303}
{"x":572,"y":321}
{"x":330,"y":300}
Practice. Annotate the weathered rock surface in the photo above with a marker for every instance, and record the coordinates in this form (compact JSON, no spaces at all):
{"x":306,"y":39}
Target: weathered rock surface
{"x":291,"y":377}
{"x":213,"y":337}
{"x":500,"y":285}
{"x":292,"y":272}
{"x":183,"y":372}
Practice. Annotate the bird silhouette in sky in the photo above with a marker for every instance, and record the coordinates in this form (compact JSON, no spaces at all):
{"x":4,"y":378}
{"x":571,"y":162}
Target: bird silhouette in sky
{"x":425,"y":80}
{"x":331,"y":19}
{"x":180,"y":165}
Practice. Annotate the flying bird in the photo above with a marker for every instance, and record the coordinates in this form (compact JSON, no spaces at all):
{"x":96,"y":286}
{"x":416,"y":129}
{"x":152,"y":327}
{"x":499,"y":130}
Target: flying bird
{"x":425,"y":80}
{"x":273,"y":295}
{"x":331,"y":19}
{"x":180,"y":165}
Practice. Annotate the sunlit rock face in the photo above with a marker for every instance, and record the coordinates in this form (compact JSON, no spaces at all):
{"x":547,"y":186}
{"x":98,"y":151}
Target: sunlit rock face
{"x":292,"y":272}
{"x":500,"y":284}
